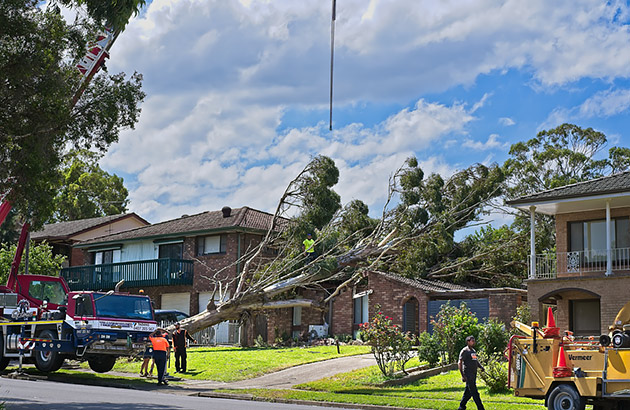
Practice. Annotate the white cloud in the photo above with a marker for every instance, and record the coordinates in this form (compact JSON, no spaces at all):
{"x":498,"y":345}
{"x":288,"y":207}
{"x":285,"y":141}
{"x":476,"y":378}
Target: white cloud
{"x":602,"y":104}
{"x":506,"y":121}
{"x":492,"y":143}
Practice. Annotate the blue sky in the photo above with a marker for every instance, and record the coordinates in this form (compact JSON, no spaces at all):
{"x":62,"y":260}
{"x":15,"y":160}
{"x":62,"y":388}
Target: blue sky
{"x":237,"y":91}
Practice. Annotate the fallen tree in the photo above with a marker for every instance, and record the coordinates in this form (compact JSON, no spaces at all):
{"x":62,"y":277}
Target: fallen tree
{"x":264,"y":283}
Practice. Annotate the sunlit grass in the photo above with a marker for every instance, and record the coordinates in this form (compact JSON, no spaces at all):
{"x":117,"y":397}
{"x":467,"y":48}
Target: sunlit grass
{"x":233,"y":363}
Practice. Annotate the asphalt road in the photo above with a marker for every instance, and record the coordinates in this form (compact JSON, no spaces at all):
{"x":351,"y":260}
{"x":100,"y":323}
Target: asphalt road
{"x":40,"y":395}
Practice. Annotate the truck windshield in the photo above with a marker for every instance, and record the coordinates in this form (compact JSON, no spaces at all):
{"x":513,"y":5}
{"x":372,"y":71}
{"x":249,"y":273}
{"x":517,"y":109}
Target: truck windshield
{"x":123,"y":307}
{"x":51,"y":291}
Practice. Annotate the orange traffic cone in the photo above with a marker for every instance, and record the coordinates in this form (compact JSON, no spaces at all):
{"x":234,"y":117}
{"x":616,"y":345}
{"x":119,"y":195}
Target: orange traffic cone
{"x":551,"y":331}
{"x":551,"y":321}
{"x":561,"y":370}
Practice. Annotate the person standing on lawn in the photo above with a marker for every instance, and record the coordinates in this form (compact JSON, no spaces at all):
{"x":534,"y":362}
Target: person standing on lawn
{"x":179,"y":344}
{"x":160,"y":352}
{"x":468,"y":365}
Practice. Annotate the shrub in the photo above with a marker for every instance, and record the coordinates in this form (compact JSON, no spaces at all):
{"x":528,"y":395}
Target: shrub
{"x":452,"y":326}
{"x":343,"y":337}
{"x":260,"y":342}
{"x":496,"y":374}
{"x":493,"y":337}
{"x":391,"y":347}
{"x":429,"y":349}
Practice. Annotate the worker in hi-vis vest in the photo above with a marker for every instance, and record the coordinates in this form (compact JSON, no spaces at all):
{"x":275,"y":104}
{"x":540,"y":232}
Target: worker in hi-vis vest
{"x":309,"y":247}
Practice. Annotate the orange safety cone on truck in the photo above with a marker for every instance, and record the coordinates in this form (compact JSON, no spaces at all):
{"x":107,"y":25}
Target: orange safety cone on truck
{"x":551,"y":331}
{"x":561,"y":370}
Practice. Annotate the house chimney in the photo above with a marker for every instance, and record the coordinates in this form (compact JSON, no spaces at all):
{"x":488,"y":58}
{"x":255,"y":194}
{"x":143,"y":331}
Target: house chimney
{"x":227,"y":211}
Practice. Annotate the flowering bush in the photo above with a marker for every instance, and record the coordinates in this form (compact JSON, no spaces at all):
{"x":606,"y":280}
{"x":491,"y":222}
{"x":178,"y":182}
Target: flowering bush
{"x":451,"y":327}
{"x":390,"y":346}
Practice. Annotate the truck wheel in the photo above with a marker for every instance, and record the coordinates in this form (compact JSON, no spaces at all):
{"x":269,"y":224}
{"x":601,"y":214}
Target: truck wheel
{"x":565,"y":397}
{"x":48,"y":361}
{"x":102,"y":364}
{"x":4,"y":361}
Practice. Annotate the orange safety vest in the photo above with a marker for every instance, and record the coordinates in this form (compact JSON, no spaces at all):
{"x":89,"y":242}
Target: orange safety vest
{"x":159,"y":343}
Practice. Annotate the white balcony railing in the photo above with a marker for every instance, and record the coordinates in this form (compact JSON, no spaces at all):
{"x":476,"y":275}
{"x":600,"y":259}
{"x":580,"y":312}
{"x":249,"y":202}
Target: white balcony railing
{"x":579,"y":263}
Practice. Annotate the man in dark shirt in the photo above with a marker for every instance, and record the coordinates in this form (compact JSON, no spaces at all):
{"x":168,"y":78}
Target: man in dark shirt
{"x":468,"y":365}
{"x":179,"y":343}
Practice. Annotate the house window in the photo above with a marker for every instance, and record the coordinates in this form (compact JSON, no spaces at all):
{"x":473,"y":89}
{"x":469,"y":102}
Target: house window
{"x":171,"y":251}
{"x":589,"y":237}
{"x":107,"y":256}
{"x":207,"y":245}
{"x":584,"y":317}
{"x":361,"y":309}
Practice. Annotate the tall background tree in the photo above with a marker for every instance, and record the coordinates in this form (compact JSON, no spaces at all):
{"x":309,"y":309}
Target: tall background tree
{"x":38,"y":54}
{"x":87,"y":191}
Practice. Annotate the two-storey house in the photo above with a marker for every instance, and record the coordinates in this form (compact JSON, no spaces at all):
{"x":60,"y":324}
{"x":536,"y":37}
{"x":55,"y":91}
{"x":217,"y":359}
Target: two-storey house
{"x":176,"y":262}
{"x":586,"y":278}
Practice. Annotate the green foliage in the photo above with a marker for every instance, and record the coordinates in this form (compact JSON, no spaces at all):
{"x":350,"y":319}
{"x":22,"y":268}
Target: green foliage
{"x":502,"y":256}
{"x":432,"y":209}
{"x":390,"y":346}
{"x":115,"y":12}
{"x":88,"y":191}
{"x":523,"y":314}
{"x":355,"y":222}
{"x":319,"y":201}
{"x":451,"y":327}
{"x":429,"y":348}
{"x":496,"y":374}
{"x":41,"y":260}
{"x":38,"y":54}
{"x":493,"y":337}
{"x":343,"y":337}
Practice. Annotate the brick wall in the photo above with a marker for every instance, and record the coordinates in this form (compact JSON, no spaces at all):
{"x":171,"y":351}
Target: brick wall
{"x":612,"y":290}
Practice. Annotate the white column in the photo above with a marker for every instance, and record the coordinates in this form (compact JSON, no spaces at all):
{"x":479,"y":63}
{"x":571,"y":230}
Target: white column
{"x":608,"y":241}
{"x":532,"y":242}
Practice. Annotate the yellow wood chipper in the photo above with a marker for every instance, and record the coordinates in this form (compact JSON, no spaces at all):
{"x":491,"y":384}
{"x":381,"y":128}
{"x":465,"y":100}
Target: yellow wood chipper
{"x":569,"y":373}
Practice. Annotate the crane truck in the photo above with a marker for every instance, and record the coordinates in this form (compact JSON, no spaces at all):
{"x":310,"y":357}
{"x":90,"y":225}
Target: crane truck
{"x":569,"y":373}
{"x":42,"y":321}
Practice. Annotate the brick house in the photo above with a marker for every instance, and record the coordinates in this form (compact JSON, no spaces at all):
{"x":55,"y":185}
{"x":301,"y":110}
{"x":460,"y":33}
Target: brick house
{"x":62,"y":236}
{"x":412,"y":303}
{"x":587,"y":277}
{"x":173,"y":261}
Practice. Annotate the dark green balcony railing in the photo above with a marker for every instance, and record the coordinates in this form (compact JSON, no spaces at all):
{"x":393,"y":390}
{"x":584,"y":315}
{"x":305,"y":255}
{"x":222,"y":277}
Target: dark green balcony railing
{"x":155,"y":272}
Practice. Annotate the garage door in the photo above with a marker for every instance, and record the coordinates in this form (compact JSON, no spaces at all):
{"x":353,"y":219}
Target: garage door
{"x":176,"y":301}
{"x":480,"y":308}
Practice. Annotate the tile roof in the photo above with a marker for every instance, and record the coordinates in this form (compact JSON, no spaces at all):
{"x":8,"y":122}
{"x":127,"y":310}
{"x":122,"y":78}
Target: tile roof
{"x":424,"y":284}
{"x":63,"y":230}
{"x":244,"y":218}
{"x":612,"y":184}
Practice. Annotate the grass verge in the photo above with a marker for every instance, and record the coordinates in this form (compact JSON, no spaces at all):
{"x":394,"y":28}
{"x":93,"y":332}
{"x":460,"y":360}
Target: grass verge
{"x":439,"y":392}
{"x":229,"y":364}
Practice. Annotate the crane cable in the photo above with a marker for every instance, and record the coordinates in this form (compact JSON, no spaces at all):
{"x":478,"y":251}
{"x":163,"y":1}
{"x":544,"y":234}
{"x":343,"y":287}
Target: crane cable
{"x":332,"y":57}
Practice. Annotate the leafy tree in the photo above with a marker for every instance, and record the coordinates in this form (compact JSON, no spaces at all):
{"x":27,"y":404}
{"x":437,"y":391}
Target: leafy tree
{"x":87,"y":191}
{"x":355,"y":223}
{"x":38,"y":54}
{"x":433,"y":209}
{"x":41,"y":260}
{"x":496,"y":256}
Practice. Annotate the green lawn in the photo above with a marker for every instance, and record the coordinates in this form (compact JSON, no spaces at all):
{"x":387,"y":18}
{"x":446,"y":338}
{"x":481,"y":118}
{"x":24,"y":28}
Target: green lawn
{"x":233,"y":363}
{"x":360,"y":386}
